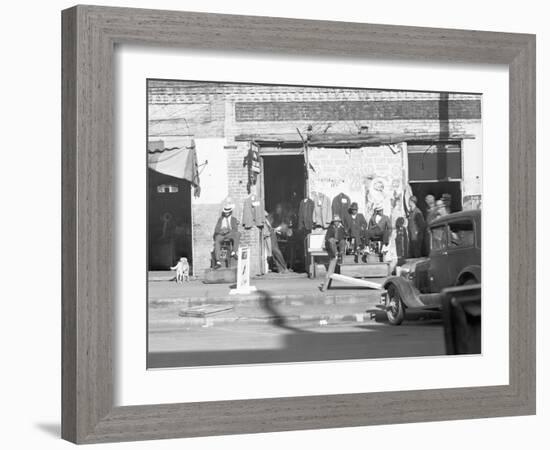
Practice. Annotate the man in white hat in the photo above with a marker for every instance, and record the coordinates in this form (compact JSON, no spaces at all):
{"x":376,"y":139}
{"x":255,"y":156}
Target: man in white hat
{"x":227,"y":228}
{"x":379,"y":228}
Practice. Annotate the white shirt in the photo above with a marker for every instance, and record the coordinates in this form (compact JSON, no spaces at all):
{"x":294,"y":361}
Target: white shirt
{"x":226,"y":225}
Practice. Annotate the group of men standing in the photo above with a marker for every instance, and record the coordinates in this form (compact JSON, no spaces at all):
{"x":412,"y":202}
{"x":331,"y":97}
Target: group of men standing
{"x":417,"y":225}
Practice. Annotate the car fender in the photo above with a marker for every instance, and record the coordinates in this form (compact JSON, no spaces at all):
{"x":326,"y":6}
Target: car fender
{"x":407,"y":292}
{"x":469,"y":272}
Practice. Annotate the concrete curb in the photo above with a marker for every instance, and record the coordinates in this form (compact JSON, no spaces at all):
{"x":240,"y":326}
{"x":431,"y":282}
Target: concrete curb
{"x":320,"y":319}
{"x":279,"y":299}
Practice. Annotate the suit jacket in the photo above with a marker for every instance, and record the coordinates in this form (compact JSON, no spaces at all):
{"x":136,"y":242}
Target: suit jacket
{"x":340,"y":206}
{"x":383,"y":226}
{"x":431,"y":214}
{"x":233,"y":222}
{"x":356,"y":227}
{"x":338,"y":233}
{"x":322,"y":211}
{"x":305,"y":214}
{"x":253,"y":212}
{"x":416,"y":225}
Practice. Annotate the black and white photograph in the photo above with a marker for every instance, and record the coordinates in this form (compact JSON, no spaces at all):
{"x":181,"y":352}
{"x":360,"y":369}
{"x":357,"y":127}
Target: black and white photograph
{"x":306,"y":223}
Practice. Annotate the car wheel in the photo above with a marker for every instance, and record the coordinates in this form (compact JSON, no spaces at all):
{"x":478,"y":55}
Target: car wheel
{"x":468,"y":281}
{"x":395,"y":310}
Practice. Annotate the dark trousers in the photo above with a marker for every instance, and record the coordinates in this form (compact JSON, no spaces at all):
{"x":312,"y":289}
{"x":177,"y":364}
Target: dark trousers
{"x":334,"y":247}
{"x":376,"y":234}
{"x":277,"y":255}
{"x":416,"y":247}
{"x":357,"y":242}
{"x":233,"y":236}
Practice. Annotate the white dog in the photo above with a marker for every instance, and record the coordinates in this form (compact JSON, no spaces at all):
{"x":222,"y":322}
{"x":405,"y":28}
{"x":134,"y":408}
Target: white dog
{"x":182,"y":270}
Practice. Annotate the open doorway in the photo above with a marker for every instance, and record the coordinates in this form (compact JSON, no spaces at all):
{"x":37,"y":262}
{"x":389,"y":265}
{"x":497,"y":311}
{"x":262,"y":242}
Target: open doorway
{"x":169,"y":221}
{"x":421,"y":189}
{"x":284,"y":180}
{"x":284,"y":186}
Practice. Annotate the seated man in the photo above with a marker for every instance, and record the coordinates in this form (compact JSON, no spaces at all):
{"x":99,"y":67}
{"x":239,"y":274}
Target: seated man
{"x":379,"y":228}
{"x":335,"y":244}
{"x":335,"y":237}
{"x":226,"y":229}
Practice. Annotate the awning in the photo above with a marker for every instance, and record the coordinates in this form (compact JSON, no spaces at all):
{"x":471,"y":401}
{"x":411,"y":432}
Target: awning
{"x":178,"y":162}
{"x":349,"y":140}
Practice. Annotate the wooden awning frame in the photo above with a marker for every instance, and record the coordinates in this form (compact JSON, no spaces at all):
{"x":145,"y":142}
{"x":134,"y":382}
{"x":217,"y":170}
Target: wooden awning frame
{"x":349,"y":140}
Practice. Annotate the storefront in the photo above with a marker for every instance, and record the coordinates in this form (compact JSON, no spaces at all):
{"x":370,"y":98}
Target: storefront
{"x":255,"y":144}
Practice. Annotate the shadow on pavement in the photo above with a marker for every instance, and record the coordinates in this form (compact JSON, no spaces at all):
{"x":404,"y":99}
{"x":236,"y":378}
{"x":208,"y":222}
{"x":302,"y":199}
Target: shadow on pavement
{"x":278,"y":319}
{"x":299,"y":345}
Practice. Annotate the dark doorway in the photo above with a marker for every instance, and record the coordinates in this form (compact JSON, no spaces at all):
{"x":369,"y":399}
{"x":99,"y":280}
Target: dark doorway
{"x":284,"y":180}
{"x":284,"y":188}
{"x":169,"y":221}
{"x":437,"y":189}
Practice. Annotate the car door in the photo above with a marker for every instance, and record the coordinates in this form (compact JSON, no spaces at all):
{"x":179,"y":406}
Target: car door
{"x":461,"y":248}
{"x":438,"y":273}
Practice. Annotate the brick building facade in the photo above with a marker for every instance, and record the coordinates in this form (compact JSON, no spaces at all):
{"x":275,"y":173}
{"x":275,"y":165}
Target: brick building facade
{"x":358,"y":139}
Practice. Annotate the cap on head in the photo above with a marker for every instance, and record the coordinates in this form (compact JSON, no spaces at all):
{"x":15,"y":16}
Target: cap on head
{"x":378,"y":207}
{"x":336,"y":218}
{"x":413,"y":198}
{"x":353,"y":207}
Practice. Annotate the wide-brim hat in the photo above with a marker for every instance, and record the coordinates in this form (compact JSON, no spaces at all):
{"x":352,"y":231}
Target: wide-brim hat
{"x":378,"y":207}
{"x":228,"y":207}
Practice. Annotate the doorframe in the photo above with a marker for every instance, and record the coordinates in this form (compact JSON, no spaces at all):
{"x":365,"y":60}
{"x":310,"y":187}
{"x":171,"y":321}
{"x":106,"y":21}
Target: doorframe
{"x":279,"y":151}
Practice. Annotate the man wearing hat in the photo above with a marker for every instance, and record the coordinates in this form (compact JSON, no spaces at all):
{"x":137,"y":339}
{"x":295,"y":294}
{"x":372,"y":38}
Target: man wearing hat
{"x":335,"y":237}
{"x":379,"y":227}
{"x":335,"y":243}
{"x":227,"y":228}
{"x":356,"y":226}
{"x":417,"y":229}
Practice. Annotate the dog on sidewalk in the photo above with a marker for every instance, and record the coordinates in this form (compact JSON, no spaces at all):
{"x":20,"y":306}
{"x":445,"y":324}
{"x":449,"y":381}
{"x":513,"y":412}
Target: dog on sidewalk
{"x":182,"y":270}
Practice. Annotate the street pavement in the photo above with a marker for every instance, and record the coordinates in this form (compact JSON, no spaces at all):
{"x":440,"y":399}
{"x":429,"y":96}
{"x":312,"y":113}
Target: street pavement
{"x":289,"y":320}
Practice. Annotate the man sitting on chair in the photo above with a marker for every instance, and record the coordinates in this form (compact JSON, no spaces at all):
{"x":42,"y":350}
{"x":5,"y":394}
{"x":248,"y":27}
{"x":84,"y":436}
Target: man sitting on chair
{"x":226,"y":229}
{"x":335,"y":245}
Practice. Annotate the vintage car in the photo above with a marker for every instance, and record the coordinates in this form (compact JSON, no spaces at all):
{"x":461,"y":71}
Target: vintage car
{"x":454,"y":260}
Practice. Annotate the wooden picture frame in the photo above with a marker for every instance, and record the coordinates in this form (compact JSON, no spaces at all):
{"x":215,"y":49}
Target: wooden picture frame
{"x":89,"y":37}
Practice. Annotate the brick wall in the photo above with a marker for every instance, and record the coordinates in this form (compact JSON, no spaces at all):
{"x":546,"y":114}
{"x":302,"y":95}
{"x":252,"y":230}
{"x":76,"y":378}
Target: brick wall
{"x":357,"y":110}
{"x":355,"y":171}
{"x":238,"y":176}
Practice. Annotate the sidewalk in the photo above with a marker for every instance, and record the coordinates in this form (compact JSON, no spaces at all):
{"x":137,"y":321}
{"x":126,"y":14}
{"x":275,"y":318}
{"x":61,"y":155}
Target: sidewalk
{"x":290,"y":300}
{"x":283,"y":288}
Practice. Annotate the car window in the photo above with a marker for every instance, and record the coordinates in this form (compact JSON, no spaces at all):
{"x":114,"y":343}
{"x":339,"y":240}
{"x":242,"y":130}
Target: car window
{"x":461,"y":234}
{"x":439,"y":238}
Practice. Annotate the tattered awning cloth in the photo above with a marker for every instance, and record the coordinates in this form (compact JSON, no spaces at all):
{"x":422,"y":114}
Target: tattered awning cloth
{"x":179,"y":162}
